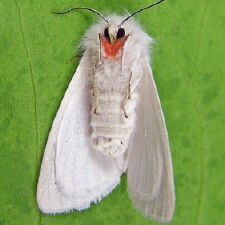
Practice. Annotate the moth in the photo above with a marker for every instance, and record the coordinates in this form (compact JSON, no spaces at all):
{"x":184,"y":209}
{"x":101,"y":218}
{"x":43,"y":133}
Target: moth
{"x":110,"y":121}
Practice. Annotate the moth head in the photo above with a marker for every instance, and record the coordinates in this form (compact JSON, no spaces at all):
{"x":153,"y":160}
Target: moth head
{"x":113,"y":33}
{"x":113,"y":37}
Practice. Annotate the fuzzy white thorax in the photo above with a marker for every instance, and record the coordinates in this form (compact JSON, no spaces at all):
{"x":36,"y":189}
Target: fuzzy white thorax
{"x":114,"y":82}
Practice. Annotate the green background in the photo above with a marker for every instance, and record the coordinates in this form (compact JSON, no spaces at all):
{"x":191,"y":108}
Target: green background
{"x":189,"y":69}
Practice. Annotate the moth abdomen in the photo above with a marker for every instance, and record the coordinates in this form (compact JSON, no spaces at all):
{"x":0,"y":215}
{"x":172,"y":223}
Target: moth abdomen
{"x":111,"y":129}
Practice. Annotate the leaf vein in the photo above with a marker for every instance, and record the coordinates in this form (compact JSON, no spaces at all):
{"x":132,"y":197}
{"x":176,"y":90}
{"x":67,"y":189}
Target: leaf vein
{"x":34,"y":92}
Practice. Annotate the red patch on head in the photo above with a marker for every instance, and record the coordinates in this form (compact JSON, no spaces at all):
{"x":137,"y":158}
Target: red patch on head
{"x":111,"y":50}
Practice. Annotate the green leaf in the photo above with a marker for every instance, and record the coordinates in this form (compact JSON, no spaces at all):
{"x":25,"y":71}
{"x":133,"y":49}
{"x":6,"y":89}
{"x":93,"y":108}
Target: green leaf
{"x":188,"y":64}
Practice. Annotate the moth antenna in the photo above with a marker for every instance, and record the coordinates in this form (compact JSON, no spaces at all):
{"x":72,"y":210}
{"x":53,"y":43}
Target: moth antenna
{"x":90,"y":9}
{"x":140,"y":10}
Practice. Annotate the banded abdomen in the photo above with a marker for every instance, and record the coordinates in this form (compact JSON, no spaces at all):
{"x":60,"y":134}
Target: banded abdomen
{"x":113,"y":112}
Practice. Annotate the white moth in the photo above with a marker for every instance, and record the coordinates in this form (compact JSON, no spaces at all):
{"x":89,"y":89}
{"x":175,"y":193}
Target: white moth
{"x":110,"y":121}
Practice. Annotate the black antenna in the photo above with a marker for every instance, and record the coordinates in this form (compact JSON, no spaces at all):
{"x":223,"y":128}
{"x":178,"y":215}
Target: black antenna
{"x":77,"y":8}
{"x":140,"y":10}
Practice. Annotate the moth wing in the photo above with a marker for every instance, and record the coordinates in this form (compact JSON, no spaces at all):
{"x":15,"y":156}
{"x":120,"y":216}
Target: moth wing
{"x":150,"y":173}
{"x":73,"y":174}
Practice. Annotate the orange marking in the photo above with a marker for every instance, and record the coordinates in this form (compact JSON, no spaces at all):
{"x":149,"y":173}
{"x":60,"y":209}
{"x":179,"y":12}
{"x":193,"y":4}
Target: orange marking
{"x":111,"y":50}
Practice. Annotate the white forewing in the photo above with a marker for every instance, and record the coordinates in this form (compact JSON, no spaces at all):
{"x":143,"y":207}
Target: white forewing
{"x":150,"y":175}
{"x":73,"y":174}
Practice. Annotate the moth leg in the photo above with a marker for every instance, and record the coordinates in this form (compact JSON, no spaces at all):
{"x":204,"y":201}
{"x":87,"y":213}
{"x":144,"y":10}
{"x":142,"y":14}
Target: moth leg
{"x":95,"y":89}
{"x":127,"y":97}
{"x":124,"y":111}
{"x":94,"y":110}
{"x":129,"y":92}
{"x":78,"y":56}
{"x":94,"y":93}
{"x":100,"y":50}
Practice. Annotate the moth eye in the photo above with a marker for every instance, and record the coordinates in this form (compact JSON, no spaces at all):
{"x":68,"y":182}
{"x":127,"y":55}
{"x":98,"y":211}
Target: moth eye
{"x":120,"y":33}
{"x":106,"y":32}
